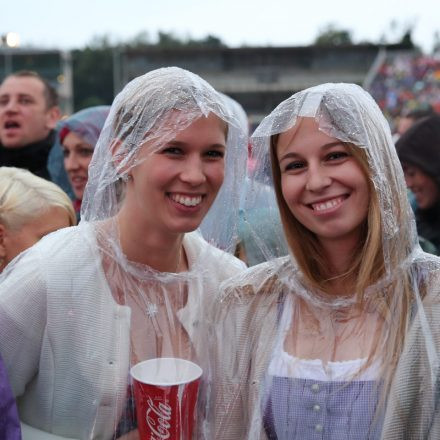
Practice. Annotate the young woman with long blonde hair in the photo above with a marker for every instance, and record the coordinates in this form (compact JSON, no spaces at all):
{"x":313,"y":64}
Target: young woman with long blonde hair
{"x":341,"y":339}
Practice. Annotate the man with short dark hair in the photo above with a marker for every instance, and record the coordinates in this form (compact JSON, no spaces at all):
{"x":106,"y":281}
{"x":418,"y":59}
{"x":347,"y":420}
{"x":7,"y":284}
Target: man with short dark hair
{"x":28,"y":115}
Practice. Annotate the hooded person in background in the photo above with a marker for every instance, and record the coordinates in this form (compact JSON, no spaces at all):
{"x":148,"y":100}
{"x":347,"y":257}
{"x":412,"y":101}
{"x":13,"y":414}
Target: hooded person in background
{"x":419,"y":152}
{"x":29,"y":113}
{"x":134,"y":280}
{"x":75,"y":141}
{"x":258,"y":237}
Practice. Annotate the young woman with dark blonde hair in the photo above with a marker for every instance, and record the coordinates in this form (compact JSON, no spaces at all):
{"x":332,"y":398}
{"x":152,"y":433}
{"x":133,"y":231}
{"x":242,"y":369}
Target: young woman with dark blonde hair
{"x":341,"y":339}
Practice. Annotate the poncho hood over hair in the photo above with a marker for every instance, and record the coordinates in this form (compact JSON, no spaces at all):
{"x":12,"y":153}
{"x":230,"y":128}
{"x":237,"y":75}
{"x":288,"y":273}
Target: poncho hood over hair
{"x":149,"y":111}
{"x":87,"y":124}
{"x":420,"y":146}
{"x":348,"y":113}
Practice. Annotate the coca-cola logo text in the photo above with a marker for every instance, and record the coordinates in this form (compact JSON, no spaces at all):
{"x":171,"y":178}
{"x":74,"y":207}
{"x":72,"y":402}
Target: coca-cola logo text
{"x":157,"y":418}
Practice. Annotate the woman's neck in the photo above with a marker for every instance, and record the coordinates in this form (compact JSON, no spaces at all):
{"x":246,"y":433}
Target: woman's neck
{"x":145,"y":244}
{"x":339,"y":256}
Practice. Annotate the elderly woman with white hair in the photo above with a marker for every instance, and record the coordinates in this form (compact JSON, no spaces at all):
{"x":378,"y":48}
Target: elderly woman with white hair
{"x":30,"y":208}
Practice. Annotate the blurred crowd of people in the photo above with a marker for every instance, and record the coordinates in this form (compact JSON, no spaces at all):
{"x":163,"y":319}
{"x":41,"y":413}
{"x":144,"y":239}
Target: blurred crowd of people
{"x":125,"y":232}
{"x":407,"y":84}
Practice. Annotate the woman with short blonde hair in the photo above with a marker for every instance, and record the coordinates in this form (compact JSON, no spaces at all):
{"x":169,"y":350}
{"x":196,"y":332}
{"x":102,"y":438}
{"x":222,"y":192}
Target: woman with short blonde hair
{"x":30,"y":208}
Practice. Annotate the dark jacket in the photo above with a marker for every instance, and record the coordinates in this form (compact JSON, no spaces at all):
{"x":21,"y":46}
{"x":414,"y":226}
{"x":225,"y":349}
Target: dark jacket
{"x":32,"y":157}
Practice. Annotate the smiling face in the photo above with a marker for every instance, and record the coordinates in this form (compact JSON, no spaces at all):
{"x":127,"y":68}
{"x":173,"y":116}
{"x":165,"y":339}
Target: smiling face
{"x":423,"y":186}
{"x":77,"y":157}
{"x":173,"y":188}
{"x":24,"y":116}
{"x":322,"y":184}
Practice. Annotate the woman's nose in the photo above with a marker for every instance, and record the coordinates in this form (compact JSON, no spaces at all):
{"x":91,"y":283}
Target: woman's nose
{"x":71,"y":162}
{"x":317,"y":179}
{"x":193,"y":172}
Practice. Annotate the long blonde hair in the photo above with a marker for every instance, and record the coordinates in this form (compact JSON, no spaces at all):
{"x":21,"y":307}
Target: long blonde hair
{"x":367,"y":264}
{"x":24,"y":197}
{"x":367,"y":267}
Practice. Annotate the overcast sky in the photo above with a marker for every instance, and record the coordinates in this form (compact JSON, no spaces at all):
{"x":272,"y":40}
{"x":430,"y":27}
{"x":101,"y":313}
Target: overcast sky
{"x":62,"y":24}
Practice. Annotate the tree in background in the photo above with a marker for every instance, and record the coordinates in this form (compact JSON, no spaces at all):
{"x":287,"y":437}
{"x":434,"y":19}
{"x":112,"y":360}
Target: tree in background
{"x":330,"y":35}
{"x":93,"y":74}
{"x":93,"y":65}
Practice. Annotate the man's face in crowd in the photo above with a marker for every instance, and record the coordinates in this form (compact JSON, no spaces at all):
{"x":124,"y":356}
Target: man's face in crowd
{"x":24,"y":115}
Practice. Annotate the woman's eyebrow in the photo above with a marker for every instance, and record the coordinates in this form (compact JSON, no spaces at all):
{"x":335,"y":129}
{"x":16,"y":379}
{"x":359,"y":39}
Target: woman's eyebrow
{"x":183,"y":144}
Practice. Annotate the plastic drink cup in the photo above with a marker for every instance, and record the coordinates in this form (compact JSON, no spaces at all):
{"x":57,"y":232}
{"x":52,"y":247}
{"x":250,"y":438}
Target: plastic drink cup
{"x":165,"y":392}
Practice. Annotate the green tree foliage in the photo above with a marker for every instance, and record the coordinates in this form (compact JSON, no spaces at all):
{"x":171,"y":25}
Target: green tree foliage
{"x":168,"y":40}
{"x":330,"y":35}
{"x":93,"y":65}
{"x":92,"y":76}
{"x":406,"y":39}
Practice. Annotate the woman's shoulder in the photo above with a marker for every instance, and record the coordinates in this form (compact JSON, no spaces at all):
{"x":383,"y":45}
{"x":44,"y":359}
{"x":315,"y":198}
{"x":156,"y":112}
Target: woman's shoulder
{"x":201,"y":252}
{"x":262,"y":280}
{"x":425,"y":264}
{"x":67,"y":241}
{"x":424,"y":273}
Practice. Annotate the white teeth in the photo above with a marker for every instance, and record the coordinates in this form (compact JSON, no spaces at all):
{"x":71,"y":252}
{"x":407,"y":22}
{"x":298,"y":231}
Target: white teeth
{"x":186,"y":200}
{"x":327,"y":205}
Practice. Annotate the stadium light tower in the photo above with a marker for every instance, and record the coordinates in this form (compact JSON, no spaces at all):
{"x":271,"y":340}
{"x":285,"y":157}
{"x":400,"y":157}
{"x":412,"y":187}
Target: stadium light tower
{"x":10,"y":40}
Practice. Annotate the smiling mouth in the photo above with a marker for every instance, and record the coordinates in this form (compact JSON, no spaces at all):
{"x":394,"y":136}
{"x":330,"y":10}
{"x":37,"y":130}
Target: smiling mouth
{"x":327,"y":205}
{"x":78,"y":180}
{"x":189,"y":201}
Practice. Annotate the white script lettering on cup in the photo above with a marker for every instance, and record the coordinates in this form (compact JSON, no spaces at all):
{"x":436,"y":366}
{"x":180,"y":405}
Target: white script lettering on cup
{"x":163,"y":414}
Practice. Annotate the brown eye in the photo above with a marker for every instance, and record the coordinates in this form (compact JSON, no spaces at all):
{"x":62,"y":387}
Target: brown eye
{"x":172,"y":151}
{"x":294,"y":166}
{"x":337,"y":155}
{"x":215,"y":154}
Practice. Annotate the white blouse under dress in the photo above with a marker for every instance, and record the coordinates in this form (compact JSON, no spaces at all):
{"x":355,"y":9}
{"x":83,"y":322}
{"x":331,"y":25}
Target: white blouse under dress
{"x":309,"y":399}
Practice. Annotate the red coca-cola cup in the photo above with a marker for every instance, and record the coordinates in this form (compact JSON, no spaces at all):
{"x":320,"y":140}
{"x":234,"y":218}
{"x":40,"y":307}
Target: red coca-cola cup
{"x":165,"y":392}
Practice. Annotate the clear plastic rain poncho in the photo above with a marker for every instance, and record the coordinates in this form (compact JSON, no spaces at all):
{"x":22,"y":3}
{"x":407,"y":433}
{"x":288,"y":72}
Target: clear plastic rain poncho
{"x":83,"y":306}
{"x":293,"y":359}
{"x":255,"y":242}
